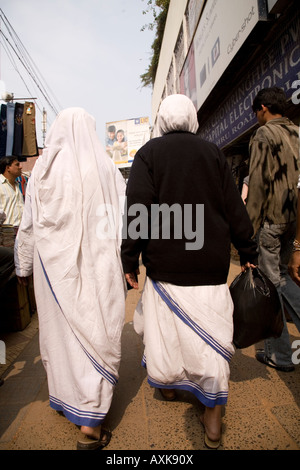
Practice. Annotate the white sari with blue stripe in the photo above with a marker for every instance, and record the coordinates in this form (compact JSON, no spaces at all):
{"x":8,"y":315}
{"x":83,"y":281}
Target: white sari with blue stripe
{"x":187,"y":333}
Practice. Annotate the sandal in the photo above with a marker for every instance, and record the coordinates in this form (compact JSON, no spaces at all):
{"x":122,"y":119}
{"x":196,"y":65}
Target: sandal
{"x":89,"y":443}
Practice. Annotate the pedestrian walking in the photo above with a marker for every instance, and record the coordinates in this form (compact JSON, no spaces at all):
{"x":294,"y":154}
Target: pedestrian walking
{"x":185,"y":311}
{"x":272,"y":207}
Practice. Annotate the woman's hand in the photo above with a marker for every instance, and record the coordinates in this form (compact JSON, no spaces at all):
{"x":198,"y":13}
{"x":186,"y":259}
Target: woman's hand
{"x":247,"y":266}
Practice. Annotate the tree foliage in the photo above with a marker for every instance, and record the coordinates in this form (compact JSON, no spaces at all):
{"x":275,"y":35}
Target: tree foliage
{"x":159,"y":9}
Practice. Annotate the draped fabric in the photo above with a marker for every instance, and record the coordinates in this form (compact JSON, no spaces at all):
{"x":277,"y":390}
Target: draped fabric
{"x":187,"y":333}
{"x":3,"y":130}
{"x":70,"y":238}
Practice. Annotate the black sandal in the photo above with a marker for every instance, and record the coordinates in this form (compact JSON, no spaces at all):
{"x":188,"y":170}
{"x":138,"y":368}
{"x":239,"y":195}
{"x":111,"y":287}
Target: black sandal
{"x":88,"y":443}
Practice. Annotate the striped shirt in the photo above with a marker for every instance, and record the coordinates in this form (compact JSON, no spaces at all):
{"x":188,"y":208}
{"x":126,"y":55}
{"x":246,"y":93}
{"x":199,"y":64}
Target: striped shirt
{"x":11,"y":202}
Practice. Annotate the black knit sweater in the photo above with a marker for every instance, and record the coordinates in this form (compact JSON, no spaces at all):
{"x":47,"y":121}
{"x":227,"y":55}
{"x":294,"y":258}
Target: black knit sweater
{"x":182,"y":169}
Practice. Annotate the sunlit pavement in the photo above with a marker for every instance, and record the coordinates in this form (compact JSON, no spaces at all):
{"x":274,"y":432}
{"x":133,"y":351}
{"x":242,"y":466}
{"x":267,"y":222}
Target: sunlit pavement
{"x":263,"y":411}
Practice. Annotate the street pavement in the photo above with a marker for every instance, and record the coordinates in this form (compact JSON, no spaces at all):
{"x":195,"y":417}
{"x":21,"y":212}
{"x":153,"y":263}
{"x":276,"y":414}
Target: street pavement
{"x":263,"y":410}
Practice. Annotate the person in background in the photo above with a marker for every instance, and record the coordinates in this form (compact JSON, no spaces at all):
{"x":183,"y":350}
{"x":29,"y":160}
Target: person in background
{"x":11,"y":198}
{"x":272,"y":207}
{"x":294,"y":262}
{"x":110,"y":139}
{"x":185,"y":312}
{"x":72,"y":247}
{"x":7,"y":264}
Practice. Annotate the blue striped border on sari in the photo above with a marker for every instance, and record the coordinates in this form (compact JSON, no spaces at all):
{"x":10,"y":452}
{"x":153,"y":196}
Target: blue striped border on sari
{"x":188,"y":321}
{"x":206,"y":398}
{"x":107,"y":375}
{"x":76,"y":416}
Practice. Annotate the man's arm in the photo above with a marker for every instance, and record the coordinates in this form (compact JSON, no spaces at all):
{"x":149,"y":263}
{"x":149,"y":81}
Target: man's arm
{"x":294,"y":263}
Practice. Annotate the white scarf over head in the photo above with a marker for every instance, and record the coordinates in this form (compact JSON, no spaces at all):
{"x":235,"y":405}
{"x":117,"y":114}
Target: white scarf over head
{"x":177,"y":113}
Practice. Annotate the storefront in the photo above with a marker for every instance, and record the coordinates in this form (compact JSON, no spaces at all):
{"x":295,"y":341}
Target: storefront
{"x":226,"y":117}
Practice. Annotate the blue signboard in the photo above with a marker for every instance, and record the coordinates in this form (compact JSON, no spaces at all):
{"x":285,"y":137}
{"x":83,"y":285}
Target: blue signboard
{"x":278,"y":66}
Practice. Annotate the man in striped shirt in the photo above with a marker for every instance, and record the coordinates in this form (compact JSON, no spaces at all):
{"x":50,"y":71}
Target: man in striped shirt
{"x":11,"y":198}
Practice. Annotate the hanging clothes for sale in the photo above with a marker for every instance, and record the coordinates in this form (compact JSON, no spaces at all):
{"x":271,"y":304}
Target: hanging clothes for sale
{"x":18,"y":130}
{"x":3,"y":130}
{"x":10,"y":118}
{"x":30,"y":148}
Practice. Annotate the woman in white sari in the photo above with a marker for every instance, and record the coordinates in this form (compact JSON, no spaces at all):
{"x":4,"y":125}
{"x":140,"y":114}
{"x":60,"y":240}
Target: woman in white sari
{"x":70,"y":239}
{"x":185,"y":312}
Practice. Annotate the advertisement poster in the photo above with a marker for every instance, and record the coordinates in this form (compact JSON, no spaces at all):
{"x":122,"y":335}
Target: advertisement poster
{"x":277,"y":66}
{"x":125,"y":138}
{"x":214,"y":45}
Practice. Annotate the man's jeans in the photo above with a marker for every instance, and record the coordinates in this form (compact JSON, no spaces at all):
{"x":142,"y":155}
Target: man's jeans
{"x":275,"y":247}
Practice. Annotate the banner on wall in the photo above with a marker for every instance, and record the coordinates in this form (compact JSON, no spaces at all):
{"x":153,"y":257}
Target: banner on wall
{"x":214,"y":46}
{"x":125,"y":138}
{"x":278,"y":66}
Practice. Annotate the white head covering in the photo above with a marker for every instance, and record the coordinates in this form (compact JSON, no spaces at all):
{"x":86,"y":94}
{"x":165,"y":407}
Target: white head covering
{"x":177,"y":113}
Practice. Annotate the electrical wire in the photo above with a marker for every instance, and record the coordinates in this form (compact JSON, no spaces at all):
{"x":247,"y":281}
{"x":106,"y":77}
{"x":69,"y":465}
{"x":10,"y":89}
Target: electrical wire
{"x":13,"y":45}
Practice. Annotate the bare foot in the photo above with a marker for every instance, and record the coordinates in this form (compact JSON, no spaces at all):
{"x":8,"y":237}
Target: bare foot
{"x":212,"y":422}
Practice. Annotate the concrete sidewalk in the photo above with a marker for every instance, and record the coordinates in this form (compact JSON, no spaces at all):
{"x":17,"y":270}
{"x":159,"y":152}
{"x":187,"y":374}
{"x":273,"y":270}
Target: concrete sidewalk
{"x":263,"y":411}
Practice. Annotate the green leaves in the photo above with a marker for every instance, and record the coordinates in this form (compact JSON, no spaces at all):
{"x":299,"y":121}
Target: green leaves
{"x":159,"y":10}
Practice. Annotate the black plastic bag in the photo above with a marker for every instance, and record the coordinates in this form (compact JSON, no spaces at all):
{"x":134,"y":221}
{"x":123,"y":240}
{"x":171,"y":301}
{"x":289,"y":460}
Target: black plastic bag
{"x":257,"y":308}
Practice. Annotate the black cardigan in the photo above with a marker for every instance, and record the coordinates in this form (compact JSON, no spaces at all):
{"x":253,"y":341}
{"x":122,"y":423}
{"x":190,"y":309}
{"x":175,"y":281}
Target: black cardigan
{"x":182,"y":169}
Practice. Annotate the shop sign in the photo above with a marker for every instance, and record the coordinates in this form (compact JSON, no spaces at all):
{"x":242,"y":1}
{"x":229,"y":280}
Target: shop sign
{"x":219,"y":36}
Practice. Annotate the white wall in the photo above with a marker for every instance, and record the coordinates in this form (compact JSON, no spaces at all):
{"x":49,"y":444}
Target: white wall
{"x":174,"y":21}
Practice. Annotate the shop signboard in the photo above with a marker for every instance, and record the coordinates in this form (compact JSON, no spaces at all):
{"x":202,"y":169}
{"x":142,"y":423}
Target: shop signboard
{"x":125,"y":138}
{"x":278,"y":66}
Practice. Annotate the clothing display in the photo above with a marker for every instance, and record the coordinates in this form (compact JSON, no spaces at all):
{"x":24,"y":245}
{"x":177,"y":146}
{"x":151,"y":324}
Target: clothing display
{"x":10,"y":119}
{"x":3,"y":130}
{"x":29,"y":141}
{"x":18,"y":130}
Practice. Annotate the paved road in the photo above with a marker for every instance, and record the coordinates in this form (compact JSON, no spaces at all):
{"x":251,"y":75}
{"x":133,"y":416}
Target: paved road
{"x":263,"y":411}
